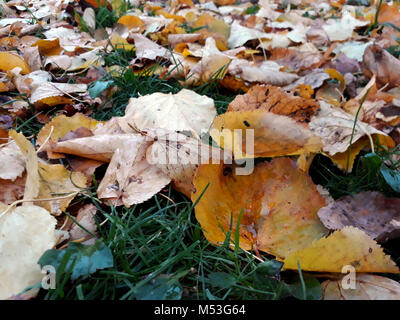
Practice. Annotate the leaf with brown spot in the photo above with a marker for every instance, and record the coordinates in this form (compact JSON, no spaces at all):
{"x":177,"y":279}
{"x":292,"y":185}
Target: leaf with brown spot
{"x":335,"y":127}
{"x":130,"y":178}
{"x":278,"y":205}
{"x":178,"y":156}
{"x":349,"y":246}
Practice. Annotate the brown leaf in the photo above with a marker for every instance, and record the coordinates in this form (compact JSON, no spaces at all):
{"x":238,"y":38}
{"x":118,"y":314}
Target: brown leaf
{"x":86,"y":219}
{"x":377,"y":61}
{"x":130,"y":178}
{"x":369,"y":211}
{"x":275,"y":100}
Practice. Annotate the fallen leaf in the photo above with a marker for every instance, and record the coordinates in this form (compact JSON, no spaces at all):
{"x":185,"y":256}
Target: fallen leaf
{"x":12,"y":161}
{"x":130,"y":178}
{"x":379,"y":62}
{"x":98,"y":147}
{"x":335,"y":126}
{"x":9,"y":61}
{"x":57,"y":181}
{"x":25,"y":234}
{"x":179,"y":156}
{"x":51,"y":93}
{"x":12,"y":190}
{"x":85,"y":218}
{"x":275,"y":100}
{"x":369,"y":211}
{"x":367,"y":287}
{"x":277,"y":203}
{"x":58,"y":127}
{"x":147,"y":49}
{"x":239,"y":35}
{"x":349,"y":246}
{"x":31,"y":164}
{"x":342,"y":29}
{"x":267,"y":72}
{"x":185,"y":110}
{"x":235,"y":131}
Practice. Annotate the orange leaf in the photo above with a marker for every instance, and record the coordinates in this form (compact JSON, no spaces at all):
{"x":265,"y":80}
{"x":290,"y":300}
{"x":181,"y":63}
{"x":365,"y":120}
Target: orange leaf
{"x":9,"y":61}
{"x":278,"y":203}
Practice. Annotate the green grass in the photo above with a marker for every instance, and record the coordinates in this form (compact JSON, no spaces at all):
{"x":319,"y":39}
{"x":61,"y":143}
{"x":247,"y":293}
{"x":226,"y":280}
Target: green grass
{"x":160,"y":239}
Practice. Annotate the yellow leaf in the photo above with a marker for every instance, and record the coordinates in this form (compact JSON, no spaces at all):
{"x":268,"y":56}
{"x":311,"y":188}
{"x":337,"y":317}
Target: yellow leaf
{"x":9,"y":61}
{"x":349,"y":246}
{"x":56,"y":181}
{"x":131,"y":21}
{"x":274,"y":135}
{"x":334,"y":74}
{"x":48,"y":47}
{"x":59,"y":126}
{"x":32,"y":180}
{"x":278,"y":203}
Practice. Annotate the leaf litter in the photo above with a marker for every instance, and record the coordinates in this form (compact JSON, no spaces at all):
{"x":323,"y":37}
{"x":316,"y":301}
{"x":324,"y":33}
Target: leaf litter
{"x":314,"y":79}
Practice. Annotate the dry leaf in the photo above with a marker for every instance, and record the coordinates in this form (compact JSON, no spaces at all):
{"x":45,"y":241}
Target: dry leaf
{"x":334,"y":126}
{"x":25,"y":234}
{"x":12,"y":161}
{"x":183,"y":111}
{"x":278,"y":203}
{"x":377,"y":61}
{"x":275,"y":100}
{"x":86,"y":219}
{"x":367,"y":287}
{"x":130,"y":179}
{"x":265,"y":72}
{"x":349,"y":246}
{"x":57,"y":181}
{"x":98,"y":147}
{"x":51,"y":93}
{"x":31,"y":164}
{"x":339,"y":30}
{"x":179,"y":156}
{"x":59,"y":126}
{"x":147,"y":49}
{"x":240,"y":35}
{"x":369,"y":211}
{"x":12,"y":190}
{"x":237,"y":129}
